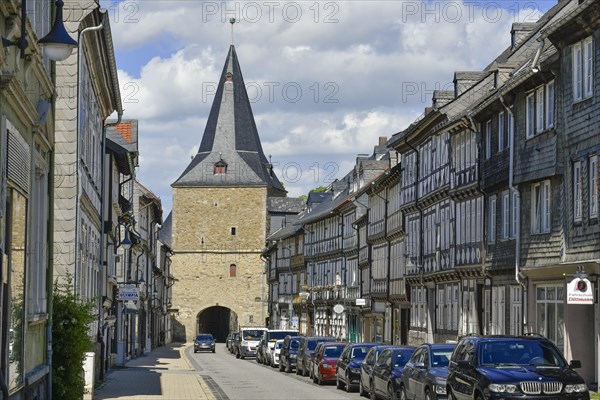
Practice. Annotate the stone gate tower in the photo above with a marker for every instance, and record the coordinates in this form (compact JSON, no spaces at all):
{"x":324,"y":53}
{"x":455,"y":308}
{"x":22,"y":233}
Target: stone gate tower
{"x":219,"y":219}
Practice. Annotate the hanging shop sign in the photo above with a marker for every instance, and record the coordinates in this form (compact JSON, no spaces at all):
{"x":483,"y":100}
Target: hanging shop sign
{"x":129,"y":292}
{"x":580,"y":291}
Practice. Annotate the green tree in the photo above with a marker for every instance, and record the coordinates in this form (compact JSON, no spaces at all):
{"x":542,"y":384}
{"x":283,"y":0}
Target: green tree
{"x":318,"y":189}
{"x":70,"y":340}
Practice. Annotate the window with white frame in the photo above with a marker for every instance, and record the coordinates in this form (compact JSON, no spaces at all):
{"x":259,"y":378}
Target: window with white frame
{"x":550,"y":312}
{"x":488,"y":139}
{"x":492,"y":220}
{"x":498,"y":310}
{"x":550,"y":105}
{"x":577,"y":191}
{"x":593,"y":185}
{"x":37,"y":281}
{"x":511,"y":128}
{"x":418,"y":307}
{"x":582,"y":54}
{"x":501,"y":132}
{"x":515,"y":214}
{"x":540,"y":109}
{"x":447,"y":307}
{"x":516,"y":310}
{"x":505,"y":215}
{"x":540,"y":207}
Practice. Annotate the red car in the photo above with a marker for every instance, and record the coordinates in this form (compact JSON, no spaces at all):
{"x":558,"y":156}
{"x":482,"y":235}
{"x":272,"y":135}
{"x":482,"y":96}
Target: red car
{"x":325,"y":362}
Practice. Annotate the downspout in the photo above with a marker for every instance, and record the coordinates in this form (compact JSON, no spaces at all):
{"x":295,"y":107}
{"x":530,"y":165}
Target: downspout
{"x":50,"y":271}
{"x":535,"y":68}
{"x":385,"y":213}
{"x":513,"y":189}
{"x":102,"y":267}
{"x":483,"y":233}
{"x":78,"y":150}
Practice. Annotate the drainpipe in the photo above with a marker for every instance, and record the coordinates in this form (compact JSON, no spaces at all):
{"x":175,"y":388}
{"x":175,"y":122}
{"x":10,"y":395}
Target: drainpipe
{"x":518,"y":275}
{"x":385,"y":212}
{"x":80,"y":58}
{"x":102,"y":267}
{"x":535,"y":68}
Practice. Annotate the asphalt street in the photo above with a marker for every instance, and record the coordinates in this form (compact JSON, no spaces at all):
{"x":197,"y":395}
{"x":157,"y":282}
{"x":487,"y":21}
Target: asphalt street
{"x":234,"y":379}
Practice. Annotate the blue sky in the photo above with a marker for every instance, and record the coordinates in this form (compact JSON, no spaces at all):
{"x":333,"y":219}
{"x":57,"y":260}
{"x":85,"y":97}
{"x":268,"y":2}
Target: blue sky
{"x":327,"y":78}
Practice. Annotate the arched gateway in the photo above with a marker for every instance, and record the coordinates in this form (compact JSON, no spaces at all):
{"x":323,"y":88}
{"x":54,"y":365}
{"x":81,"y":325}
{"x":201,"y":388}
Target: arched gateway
{"x":218,"y":321}
{"x":219,"y":219}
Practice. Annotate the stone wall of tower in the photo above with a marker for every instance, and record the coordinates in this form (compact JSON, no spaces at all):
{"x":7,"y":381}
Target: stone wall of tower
{"x":205,"y":248}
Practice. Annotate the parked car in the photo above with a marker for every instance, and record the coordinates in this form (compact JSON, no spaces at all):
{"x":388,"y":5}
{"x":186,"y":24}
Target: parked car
{"x":232,"y":343}
{"x":366,"y":367}
{"x":289,"y":353}
{"x":275,"y":353}
{"x":311,"y":360}
{"x":248,"y":341}
{"x":307,"y":346}
{"x":512,"y":367}
{"x":424,"y":376}
{"x":387,"y":372}
{"x":348,"y":367}
{"x":325,"y":361}
{"x":204,"y":341}
{"x":270,"y":336}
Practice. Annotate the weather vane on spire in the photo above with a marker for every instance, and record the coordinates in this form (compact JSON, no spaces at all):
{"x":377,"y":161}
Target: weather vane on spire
{"x":232,"y":21}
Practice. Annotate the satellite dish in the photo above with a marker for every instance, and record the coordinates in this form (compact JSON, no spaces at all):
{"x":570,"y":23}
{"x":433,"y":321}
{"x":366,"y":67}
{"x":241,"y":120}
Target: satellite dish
{"x":338,"y":309}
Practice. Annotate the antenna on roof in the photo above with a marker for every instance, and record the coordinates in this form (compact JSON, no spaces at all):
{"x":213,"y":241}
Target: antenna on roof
{"x":232,"y":21}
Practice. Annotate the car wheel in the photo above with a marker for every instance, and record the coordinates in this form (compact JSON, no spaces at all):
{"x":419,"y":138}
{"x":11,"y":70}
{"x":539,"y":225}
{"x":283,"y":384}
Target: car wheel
{"x":319,"y":381}
{"x":338,"y":384}
{"x":372,"y":393}
{"x":479,"y":396}
{"x":213,"y":350}
{"x":237,"y":354}
{"x":427,"y":395}
{"x":361,"y":388}
{"x":348,"y":388}
{"x":298,"y":372}
{"x":403,"y":394}
{"x":391,"y":393}
{"x":451,"y":395}
{"x":280,"y":366}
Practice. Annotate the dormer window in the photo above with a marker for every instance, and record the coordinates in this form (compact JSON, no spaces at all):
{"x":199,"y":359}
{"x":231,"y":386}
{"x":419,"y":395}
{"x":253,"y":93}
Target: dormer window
{"x":220,"y":168}
{"x":229,"y":77}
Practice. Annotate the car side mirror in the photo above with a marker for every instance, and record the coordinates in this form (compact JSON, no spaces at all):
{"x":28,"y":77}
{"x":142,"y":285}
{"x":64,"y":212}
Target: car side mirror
{"x":575,"y":364}
{"x":420,"y":365}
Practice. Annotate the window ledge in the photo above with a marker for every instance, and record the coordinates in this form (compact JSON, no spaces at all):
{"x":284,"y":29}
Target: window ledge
{"x":582,"y":100}
{"x":37,"y":318}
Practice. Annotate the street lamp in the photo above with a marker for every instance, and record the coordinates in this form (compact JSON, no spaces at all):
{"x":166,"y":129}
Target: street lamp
{"x":57,"y":44}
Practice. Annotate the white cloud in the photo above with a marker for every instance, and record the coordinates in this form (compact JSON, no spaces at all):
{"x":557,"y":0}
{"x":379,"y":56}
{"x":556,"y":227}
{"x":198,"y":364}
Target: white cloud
{"x":364,"y":69}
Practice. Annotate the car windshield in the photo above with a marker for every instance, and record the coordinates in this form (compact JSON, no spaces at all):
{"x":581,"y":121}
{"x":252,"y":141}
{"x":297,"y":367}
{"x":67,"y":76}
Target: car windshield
{"x":311,"y":344}
{"x":333,"y":351}
{"x":401,"y":357}
{"x":278,"y":345}
{"x":281,"y":335}
{"x":358,"y":353}
{"x":440,"y":357}
{"x":294,"y":344}
{"x":252,"y":334}
{"x":520,"y":352}
{"x":204,"y":337}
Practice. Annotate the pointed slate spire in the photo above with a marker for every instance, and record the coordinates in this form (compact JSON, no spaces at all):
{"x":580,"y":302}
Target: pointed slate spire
{"x":230,"y":153}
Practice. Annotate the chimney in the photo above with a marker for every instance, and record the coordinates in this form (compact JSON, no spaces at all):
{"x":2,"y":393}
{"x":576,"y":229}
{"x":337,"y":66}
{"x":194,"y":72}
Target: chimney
{"x":519,"y":32}
{"x":382,"y":140}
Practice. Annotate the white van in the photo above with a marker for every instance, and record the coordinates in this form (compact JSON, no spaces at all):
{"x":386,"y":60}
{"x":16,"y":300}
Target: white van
{"x":249,"y":338}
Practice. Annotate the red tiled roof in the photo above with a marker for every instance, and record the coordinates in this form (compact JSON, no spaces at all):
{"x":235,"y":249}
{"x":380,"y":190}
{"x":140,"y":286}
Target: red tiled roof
{"x":124,"y":129}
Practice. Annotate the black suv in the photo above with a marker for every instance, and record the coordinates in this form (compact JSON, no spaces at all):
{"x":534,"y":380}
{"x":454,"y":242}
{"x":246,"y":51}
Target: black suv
{"x":289,"y":353}
{"x":512,"y":367}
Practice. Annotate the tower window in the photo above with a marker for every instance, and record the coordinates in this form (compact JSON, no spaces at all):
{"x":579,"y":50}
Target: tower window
{"x":229,"y":77}
{"x":233,"y":231}
{"x":232,"y":271}
{"x":220,"y":168}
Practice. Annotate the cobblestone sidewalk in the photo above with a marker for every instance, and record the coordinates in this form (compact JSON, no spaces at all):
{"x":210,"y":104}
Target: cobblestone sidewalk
{"x":165,"y":373}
